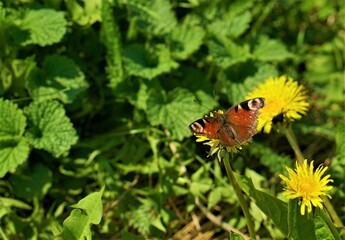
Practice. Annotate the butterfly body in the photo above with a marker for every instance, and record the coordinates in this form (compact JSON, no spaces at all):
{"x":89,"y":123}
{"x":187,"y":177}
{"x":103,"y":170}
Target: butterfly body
{"x":235,"y":126}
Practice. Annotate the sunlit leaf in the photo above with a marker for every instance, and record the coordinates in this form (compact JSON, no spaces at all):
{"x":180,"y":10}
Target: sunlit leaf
{"x":227,"y":53}
{"x":174,"y":110}
{"x":84,"y":14}
{"x":14,"y":150}
{"x":153,"y":16}
{"x":49,"y":128}
{"x":12,"y":120}
{"x":232,"y":27}
{"x":270,"y":50}
{"x":273,"y":207}
{"x":43,"y":27}
{"x":87,"y":211}
{"x":185,"y":39}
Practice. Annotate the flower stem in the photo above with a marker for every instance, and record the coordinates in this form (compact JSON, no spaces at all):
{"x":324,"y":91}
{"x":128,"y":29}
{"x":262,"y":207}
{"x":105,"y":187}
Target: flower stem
{"x":239,"y":195}
{"x":300,"y":158}
{"x":289,"y":134}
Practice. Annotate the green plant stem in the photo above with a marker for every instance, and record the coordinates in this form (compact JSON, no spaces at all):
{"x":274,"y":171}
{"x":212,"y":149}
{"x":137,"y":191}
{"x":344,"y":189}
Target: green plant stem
{"x":300,"y":158}
{"x":2,"y":234}
{"x":289,"y":134}
{"x":240,"y":196}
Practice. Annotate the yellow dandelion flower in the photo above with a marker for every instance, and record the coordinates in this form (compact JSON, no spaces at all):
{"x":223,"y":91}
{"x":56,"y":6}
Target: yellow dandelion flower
{"x":307,"y":185}
{"x":283,"y":96}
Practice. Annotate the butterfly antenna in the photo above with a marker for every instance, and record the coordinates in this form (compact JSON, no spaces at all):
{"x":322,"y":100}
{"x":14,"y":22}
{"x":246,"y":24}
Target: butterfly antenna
{"x":197,"y":101}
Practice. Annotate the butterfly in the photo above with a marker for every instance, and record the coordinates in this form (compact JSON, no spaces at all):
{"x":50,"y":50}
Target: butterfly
{"x":235,"y":126}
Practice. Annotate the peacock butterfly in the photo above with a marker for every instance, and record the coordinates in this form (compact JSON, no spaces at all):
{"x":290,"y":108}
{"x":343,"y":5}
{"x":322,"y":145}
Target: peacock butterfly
{"x":235,"y":126}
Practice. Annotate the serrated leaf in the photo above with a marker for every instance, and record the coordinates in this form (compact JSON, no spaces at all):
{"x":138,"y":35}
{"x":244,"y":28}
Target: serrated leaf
{"x":185,"y":39}
{"x":147,"y":63}
{"x":270,"y":50}
{"x":175,"y":110}
{"x":269,"y":158}
{"x":227,"y":53}
{"x":49,"y":128}
{"x":273,"y":207}
{"x":33,"y":184}
{"x":12,"y":120}
{"x":89,"y":211}
{"x":140,"y":218}
{"x":153,"y":16}
{"x":231,"y":28}
{"x":14,"y":150}
{"x":43,"y":27}
{"x":86,"y":13}
{"x":60,"y":78}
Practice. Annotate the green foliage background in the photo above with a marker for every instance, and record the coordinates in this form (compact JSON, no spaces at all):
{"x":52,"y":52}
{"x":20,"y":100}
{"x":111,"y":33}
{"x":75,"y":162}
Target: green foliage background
{"x":100,"y":94}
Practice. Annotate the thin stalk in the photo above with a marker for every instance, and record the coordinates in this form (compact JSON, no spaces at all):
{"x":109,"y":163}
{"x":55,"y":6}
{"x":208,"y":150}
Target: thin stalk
{"x":289,"y":134}
{"x":3,"y":235}
{"x":240,"y":196}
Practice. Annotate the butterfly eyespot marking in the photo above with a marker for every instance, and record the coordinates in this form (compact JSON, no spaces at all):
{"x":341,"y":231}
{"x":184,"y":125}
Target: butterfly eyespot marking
{"x":235,"y":126}
{"x":256,"y":103}
{"x":197,"y":126}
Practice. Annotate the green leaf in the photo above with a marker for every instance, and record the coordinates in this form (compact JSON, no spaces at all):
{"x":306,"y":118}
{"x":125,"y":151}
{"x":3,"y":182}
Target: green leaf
{"x":185,"y":39}
{"x":201,"y":182}
{"x":270,"y":205}
{"x":141,"y":217}
{"x":12,"y":120}
{"x":130,"y":236}
{"x":231,"y":28}
{"x":34,"y":183}
{"x":86,"y":13}
{"x":152,"y":16}
{"x":148,"y":63}
{"x":269,"y":158}
{"x":174,"y":110}
{"x":235,"y":236}
{"x":60,"y":78}
{"x":214,"y":197}
{"x":158,"y":223}
{"x":226,"y":53}
{"x":14,"y":150}
{"x":270,"y":50}
{"x":88,"y":211}
{"x":300,"y":226}
{"x":43,"y":27}
{"x":49,"y":128}
{"x":322,"y":230}
{"x":15,"y":203}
